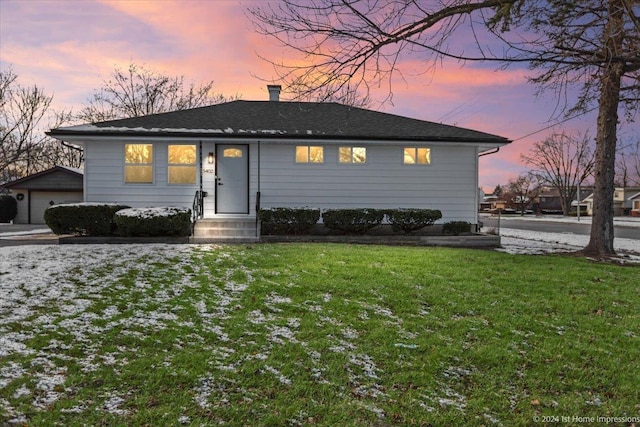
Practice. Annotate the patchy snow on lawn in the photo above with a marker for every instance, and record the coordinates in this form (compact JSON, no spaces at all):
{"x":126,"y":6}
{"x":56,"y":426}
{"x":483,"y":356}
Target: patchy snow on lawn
{"x":536,"y":243}
{"x":64,"y":280}
{"x":75,"y":296}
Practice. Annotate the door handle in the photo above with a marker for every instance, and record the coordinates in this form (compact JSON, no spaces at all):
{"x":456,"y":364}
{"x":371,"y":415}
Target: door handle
{"x":220,"y":183}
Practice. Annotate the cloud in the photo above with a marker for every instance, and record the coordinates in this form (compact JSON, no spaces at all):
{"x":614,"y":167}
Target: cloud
{"x":69,"y":49}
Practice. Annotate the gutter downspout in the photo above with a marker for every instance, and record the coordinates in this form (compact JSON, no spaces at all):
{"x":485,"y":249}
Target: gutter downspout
{"x":259,"y":193}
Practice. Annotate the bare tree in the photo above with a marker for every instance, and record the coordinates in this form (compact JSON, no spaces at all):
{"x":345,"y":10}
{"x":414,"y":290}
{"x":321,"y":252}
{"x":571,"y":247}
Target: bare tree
{"x":562,"y":162}
{"x":345,"y":95}
{"x":25,"y":113}
{"x":593,"y":45}
{"x":628,"y":164}
{"x":140,"y":91}
{"x":524,"y":189}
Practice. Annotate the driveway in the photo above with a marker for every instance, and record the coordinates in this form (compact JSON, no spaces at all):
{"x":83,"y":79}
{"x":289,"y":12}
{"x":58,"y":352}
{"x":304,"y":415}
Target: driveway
{"x":26,"y":234}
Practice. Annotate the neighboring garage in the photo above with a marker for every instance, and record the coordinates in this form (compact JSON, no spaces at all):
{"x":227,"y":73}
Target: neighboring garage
{"x":37,"y":192}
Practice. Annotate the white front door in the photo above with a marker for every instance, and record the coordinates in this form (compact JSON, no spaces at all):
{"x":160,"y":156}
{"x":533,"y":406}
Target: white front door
{"x":232,"y":182}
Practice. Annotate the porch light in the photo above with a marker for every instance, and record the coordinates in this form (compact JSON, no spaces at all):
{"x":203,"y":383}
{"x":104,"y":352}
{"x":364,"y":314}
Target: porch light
{"x":210,"y":158}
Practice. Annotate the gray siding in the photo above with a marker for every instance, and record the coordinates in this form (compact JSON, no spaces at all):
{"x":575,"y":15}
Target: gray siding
{"x":104,"y":178}
{"x":449,"y":183}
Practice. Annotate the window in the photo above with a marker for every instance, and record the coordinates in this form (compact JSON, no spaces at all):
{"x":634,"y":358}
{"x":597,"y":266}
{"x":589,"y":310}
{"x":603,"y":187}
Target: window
{"x":182,"y":164}
{"x":232,"y":152}
{"x":352,"y":154}
{"x":138,"y":163}
{"x":309,"y":154}
{"x":417,"y":156}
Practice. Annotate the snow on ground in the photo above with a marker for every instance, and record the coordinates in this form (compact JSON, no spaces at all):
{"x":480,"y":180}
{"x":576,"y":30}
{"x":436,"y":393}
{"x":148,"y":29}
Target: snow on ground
{"x":68,"y":279}
{"x":557,"y":242}
{"x":515,"y":241}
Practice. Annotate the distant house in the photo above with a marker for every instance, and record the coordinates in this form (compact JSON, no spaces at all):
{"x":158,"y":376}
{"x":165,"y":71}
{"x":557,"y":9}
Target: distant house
{"x":625,"y":201}
{"x":37,"y":192}
{"x":238,"y":156}
{"x":634,"y":201}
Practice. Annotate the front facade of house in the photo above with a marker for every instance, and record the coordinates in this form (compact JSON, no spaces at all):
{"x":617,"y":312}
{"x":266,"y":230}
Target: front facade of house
{"x":248,"y":154}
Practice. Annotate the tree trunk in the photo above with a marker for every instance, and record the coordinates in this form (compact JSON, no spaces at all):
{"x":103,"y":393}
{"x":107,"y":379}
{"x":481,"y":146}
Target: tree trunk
{"x":601,"y":238}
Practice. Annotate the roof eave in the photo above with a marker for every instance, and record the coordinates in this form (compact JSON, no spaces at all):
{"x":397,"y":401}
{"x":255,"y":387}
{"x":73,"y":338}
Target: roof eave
{"x":77,"y":137}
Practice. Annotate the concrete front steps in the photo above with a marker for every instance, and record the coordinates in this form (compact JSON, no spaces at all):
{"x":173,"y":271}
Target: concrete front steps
{"x":227,"y":230}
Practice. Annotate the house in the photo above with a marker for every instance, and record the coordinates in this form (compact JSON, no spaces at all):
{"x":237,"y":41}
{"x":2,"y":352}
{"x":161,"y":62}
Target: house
{"x":631,"y":201}
{"x":634,"y":201}
{"x":239,"y":156}
{"x":625,"y":201}
{"x":37,"y":192}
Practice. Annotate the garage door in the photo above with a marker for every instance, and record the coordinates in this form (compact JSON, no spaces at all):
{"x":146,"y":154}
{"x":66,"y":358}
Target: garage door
{"x":41,"y":200}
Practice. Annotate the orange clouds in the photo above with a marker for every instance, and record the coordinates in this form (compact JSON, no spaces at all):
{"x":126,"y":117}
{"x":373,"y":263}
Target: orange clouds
{"x":213,"y":41}
{"x":69,"y":49}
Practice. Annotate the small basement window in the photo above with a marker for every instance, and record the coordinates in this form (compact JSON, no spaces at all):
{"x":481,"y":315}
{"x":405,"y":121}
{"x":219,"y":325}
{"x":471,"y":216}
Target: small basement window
{"x":356,"y":155}
{"x":182,"y":164}
{"x":138,"y":163}
{"x":417,"y":156}
{"x":309,"y":154}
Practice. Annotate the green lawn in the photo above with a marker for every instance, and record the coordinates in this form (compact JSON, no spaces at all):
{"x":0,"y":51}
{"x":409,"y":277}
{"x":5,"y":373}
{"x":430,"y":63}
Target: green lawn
{"x":332,"y":335}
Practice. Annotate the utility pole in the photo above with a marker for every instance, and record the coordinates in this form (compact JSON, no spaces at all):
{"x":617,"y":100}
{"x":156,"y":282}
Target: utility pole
{"x":578,"y":201}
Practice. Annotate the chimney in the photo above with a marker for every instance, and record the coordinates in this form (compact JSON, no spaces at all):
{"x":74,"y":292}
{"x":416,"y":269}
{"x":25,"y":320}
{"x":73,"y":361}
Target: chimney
{"x":274,"y":92}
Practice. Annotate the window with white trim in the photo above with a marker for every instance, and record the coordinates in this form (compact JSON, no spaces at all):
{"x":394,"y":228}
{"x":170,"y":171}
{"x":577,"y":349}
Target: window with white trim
{"x":138,"y":163}
{"x":416,"y":156}
{"x":309,"y":154}
{"x":352,"y":155}
{"x":182,"y":164}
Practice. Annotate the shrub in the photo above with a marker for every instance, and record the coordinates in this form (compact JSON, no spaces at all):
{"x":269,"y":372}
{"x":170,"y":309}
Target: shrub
{"x":456,"y":228}
{"x":288,"y":220}
{"x":8,"y":208}
{"x":154,"y":222}
{"x":84,"y":219}
{"x":409,"y":220}
{"x":352,"y":221}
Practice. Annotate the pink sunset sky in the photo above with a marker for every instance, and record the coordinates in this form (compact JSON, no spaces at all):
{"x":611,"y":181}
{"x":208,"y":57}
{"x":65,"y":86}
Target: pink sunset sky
{"x":69,"y":48}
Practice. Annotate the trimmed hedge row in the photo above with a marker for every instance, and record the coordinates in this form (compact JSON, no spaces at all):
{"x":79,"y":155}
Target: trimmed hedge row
{"x":83,"y":219}
{"x":154,"y":222}
{"x":352,"y":221}
{"x":456,"y":228}
{"x":288,"y":220}
{"x":409,"y":220}
{"x":93,"y":219}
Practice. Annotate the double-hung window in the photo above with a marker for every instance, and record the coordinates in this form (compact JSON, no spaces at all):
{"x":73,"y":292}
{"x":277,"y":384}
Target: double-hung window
{"x":309,"y":154}
{"x":182,"y":164}
{"x":138,"y":163}
{"x":417,"y":156}
{"x":352,"y":155}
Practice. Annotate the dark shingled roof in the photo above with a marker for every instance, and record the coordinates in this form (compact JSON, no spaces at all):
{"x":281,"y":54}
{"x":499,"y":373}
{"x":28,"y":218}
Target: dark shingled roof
{"x":270,"y":119}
